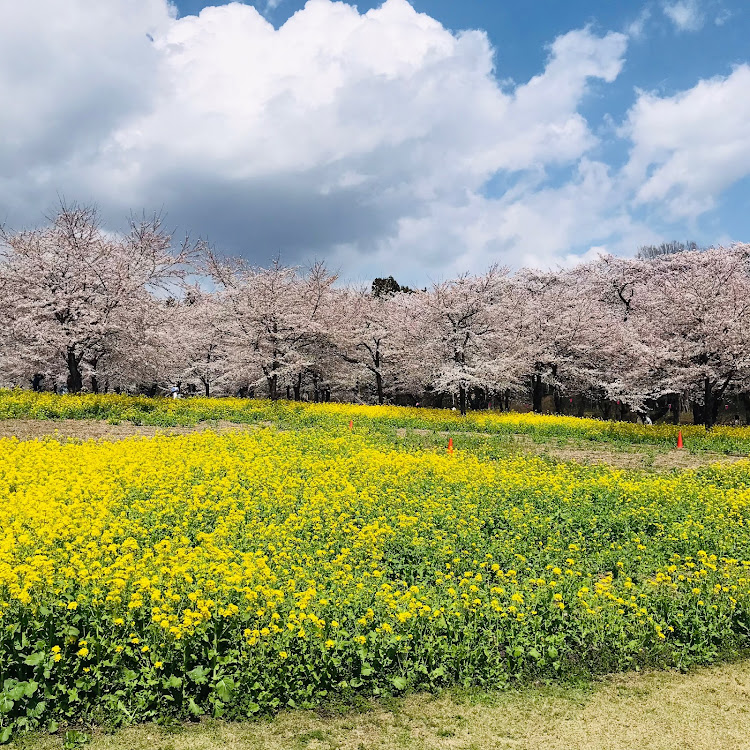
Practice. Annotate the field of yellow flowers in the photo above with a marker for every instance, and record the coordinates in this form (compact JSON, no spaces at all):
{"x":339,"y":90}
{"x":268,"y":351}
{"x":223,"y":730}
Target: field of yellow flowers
{"x":141,"y":410}
{"x":233,"y":574}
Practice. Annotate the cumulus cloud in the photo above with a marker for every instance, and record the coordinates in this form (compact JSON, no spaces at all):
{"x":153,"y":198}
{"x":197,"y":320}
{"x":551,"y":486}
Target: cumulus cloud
{"x":67,"y":80}
{"x":686,"y":15}
{"x":637,"y":27}
{"x":690,"y":147}
{"x":527,"y":226}
{"x":366,"y":138}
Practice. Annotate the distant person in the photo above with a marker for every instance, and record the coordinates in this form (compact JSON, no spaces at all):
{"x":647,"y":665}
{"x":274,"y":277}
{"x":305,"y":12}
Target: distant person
{"x":647,"y":420}
{"x":175,"y":391}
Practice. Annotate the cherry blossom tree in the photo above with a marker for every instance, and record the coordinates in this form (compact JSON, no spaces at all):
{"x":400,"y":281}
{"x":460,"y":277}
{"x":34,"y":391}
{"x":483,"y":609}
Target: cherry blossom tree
{"x":699,"y":325}
{"x":372,"y":336}
{"x":562,"y":325}
{"x":72,"y":287}
{"x":272,"y":318}
{"x":465,"y":334}
{"x":196,"y":332}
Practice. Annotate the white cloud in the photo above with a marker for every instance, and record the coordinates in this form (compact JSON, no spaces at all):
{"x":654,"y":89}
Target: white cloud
{"x":636,"y":28}
{"x":365,"y":138}
{"x":67,"y":79}
{"x":689,"y":148}
{"x":526,"y":227}
{"x":723,"y":15}
{"x":686,"y":15}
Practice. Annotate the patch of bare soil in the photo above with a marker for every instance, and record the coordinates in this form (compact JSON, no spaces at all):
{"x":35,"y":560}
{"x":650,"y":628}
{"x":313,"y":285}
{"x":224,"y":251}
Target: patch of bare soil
{"x":645,"y":457}
{"x":674,"y":459}
{"x":93,"y":429}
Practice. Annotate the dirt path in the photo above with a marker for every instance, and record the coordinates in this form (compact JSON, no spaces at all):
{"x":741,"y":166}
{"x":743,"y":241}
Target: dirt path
{"x":637,"y":457}
{"x":94,"y":429}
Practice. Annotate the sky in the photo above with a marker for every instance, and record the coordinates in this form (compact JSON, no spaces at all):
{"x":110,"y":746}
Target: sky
{"x":421,"y":140}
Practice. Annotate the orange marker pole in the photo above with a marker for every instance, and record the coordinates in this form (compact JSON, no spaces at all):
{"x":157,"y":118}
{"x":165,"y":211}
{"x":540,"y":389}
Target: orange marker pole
{"x":679,"y":439}
{"x":351,"y":425}
{"x":450,"y":445}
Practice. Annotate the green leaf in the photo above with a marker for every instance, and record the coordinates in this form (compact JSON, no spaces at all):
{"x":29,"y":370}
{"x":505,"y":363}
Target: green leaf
{"x":534,"y":654}
{"x":552,"y":652}
{"x":74,"y":738}
{"x":35,"y":659}
{"x":174,"y":682}
{"x":31,"y":687}
{"x":198,"y":674}
{"x":399,"y":682}
{"x":37,"y":711}
{"x":5,"y":734}
{"x":194,"y":708}
{"x":366,"y":670}
{"x":225,"y":689}
{"x":517,"y":651}
{"x":252,"y":708}
{"x":18,"y":691}
{"x":6,"y":704}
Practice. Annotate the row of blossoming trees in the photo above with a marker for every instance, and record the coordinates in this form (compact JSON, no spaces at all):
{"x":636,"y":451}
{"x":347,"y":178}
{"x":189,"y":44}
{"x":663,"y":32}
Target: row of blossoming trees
{"x":89,"y":310}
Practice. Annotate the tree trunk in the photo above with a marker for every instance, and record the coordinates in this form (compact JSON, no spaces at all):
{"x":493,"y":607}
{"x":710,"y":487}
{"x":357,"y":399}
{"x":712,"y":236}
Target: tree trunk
{"x":710,"y":405}
{"x":536,"y":393}
{"x":94,"y":378}
{"x":75,"y":381}
{"x":207,"y":388}
{"x":558,"y":398}
{"x":697,"y":413}
{"x":378,"y":377}
{"x":273,"y":385}
{"x":556,"y":395}
{"x":36,"y":381}
{"x":462,"y":399}
{"x":712,"y":400}
{"x":297,"y":387}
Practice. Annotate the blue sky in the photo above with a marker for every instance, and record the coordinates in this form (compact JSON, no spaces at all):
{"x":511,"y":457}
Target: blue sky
{"x":386,"y":138}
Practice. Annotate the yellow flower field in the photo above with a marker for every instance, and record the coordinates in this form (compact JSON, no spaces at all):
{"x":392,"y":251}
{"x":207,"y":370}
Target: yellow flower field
{"x":169,"y":412}
{"x":239,"y":573}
